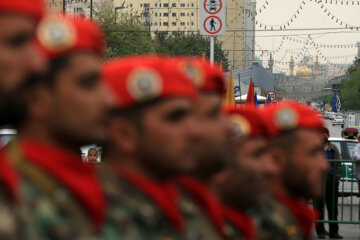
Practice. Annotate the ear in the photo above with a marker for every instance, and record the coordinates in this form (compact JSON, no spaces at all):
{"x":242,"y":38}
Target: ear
{"x":40,"y":103}
{"x":123,"y":135}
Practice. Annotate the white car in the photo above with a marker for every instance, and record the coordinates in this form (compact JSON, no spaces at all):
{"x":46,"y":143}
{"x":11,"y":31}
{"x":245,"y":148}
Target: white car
{"x":338,"y":121}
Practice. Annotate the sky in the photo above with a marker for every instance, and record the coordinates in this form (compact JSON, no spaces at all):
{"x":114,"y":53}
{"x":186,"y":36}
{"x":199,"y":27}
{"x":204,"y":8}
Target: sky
{"x":279,"y":12}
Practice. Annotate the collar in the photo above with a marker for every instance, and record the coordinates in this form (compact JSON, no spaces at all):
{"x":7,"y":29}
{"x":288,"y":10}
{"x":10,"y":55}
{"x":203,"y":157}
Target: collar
{"x":305,"y":216}
{"x":206,"y":200}
{"x":164,"y":195}
{"x":243,"y":223}
{"x":67,"y":168}
{"x":9,"y":176}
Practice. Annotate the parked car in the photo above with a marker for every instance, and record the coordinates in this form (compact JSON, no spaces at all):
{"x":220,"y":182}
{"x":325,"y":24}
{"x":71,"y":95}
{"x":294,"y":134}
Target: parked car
{"x":338,"y":120}
{"x":348,"y":184}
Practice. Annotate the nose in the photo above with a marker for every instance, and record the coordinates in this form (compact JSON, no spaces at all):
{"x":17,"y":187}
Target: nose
{"x":36,"y":62}
{"x":269,"y":166}
{"x":108,"y":96}
{"x":193,"y":127}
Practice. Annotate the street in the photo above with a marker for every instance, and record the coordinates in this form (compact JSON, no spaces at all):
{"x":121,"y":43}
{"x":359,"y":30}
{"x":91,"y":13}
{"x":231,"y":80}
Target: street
{"x":348,"y":231}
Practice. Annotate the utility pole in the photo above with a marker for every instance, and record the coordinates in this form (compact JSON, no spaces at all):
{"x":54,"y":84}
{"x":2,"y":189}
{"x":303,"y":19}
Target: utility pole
{"x":91,"y":9}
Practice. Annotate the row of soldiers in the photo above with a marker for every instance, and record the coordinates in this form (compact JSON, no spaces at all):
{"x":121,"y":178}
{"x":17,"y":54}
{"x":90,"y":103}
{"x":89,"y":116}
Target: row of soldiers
{"x":176,"y":164}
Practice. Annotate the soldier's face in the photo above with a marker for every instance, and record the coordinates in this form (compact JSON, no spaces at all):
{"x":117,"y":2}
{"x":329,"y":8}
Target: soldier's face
{"x":18,"y":55}
{"x":166,"y":144}
{"x":80,"y":101}
{"x":253,"y":168}
{"x":18,"y":59}
{"x":304,"y":172}
{"x":215,"y":128}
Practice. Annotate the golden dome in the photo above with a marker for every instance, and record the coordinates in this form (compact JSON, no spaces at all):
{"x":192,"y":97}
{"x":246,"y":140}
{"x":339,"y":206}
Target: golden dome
{"x":304,"y":71}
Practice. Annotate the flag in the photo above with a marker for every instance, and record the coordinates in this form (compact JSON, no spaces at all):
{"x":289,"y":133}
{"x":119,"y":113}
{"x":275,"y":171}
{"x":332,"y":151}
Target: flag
{"x":256,"y":99}
{"x":230,"y":95}
{"x":250,"y":99}
{"x":334,"y":102}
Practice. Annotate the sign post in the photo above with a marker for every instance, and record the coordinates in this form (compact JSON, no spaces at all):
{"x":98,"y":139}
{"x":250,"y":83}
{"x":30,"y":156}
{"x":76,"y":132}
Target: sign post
{"x":271,"y":95}
{"x":212,"y":21}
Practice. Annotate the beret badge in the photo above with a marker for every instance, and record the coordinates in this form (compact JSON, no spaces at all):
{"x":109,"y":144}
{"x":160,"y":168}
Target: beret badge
{"x":55,"y":34}
{"x":286,"y":118}
{"x":144,"y":84}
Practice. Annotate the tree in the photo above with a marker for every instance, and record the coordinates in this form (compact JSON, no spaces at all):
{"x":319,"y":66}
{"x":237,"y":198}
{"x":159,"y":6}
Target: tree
{"x":350,"y":91}
{"x":125,"y":35}
{"x":179,"y":43}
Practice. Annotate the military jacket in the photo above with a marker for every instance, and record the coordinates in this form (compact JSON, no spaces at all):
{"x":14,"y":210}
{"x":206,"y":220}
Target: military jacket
{"x":50,"y":203}
{"x":134,"y":213}
{"x":274,"y":221}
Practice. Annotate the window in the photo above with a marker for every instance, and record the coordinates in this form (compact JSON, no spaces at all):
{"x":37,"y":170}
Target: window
{"x":350,"y":147}
{"x":155,"y":4}
{"x":166,"y":5}
{"x":182,"y":5}
{"x":173,"y":23}
{"x":147,"y":5}
{"x":140,"y":4}
{"x":192,"y":23}
{"x":192,"y":14}
{"x":130,"y":4}
{"x":182,"y":23}
{"x":174,"y":14}
{"x":160,"y":5}
{"x":173,"y":5}
{"x":166,"y":14}
{"x":165,"y":23}
{"x":155,"y":14}
{"x":155,"y":23}
{"x":192,"y":5}
{"x":159,"y":23}
{"x":182,"y":14}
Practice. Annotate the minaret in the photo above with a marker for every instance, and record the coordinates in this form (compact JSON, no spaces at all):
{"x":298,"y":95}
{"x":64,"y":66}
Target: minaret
{"x":358,"y":45}
{"x":316,"y":65}
{"x":292,"y":65}
{"x":271,"y":63}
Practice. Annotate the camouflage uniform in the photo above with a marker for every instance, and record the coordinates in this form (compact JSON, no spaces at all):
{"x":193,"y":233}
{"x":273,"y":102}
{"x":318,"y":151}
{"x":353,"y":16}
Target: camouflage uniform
{"x":274,"y":221}
{"x":132,"y":214}
{"x":45,"y":209}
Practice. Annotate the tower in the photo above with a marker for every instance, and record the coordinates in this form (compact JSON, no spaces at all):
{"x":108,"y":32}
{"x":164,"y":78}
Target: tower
{"x":271,"y":63}
{"x":316,"y":65}
{"x":292,"y":65}
{"x":358,"y":45}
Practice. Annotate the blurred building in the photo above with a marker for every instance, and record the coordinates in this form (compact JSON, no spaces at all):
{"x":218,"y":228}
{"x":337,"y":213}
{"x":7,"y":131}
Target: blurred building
{"x":183,"y":15}
{"x":54,"y":5}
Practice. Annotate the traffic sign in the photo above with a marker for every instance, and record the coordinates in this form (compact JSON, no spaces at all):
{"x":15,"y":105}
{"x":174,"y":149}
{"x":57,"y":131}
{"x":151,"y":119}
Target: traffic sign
{"x":212,"y":17}
{"x":271,"y":95}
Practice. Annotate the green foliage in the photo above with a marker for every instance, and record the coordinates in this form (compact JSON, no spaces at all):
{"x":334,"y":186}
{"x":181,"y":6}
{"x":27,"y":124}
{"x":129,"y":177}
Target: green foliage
{"x":350,"y":91}
{"x":125,"y":34}
{"x":189,"y":44}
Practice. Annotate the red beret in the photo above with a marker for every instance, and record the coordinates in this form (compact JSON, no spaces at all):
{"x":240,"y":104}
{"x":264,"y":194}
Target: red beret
{"x":140,"y":79}
{"x":248,"y":121}
{"x":286,"y":116}
{"x":58,"y":36}
{"x":206,"y":76}
{"x":32,"y":8}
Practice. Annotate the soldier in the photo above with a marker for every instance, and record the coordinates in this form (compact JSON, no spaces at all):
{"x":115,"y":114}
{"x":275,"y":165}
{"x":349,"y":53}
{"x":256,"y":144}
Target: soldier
{"x":296,"y":147}
{"x":213,"y":147}
{"x":18,"y":58}
{"x":153,"y":132}
{"x":59,"y":197}
{"x":242,"y":184}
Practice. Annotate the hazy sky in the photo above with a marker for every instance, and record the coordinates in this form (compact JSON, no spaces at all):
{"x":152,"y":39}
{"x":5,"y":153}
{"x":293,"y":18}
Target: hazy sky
{"x":312,"y":16}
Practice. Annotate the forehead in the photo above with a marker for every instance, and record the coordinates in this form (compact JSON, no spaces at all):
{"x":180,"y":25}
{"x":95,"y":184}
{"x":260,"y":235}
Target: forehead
{"x":14,"y":23}
{"x":308,"y":136}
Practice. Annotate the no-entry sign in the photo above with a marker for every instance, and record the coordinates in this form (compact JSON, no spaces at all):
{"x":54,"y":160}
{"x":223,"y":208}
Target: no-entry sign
{"x":271,"y":95}
{"x":212,"y":17}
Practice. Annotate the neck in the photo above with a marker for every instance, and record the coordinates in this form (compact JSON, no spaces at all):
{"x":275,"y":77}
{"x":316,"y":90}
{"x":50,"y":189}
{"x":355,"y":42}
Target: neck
{"x":40,"y":133}
{"x":278,"y":187}
{"x":131,"y":164}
